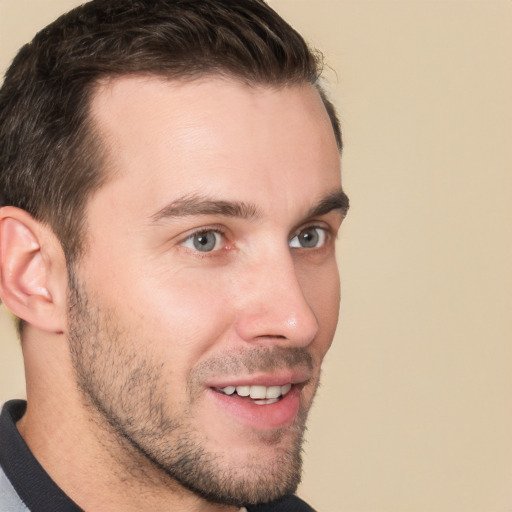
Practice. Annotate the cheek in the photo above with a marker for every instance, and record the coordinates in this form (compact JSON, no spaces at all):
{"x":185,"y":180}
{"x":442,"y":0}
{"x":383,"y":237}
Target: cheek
{"x":321,"y":288}
{"x":186,"y":314}
{"x":176,"y":315}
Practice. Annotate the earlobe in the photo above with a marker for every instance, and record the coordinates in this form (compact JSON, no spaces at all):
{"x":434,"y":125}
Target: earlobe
{"x":31,"y":273}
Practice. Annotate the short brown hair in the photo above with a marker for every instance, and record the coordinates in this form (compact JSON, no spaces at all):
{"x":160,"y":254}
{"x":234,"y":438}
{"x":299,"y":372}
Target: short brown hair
{"x":50,"y":157}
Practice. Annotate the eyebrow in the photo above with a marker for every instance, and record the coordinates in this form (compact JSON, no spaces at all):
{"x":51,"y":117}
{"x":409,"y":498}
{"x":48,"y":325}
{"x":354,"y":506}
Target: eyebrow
{"x":336,"y":200}
{"x":199,"y":205}
{"x":188,"y":206}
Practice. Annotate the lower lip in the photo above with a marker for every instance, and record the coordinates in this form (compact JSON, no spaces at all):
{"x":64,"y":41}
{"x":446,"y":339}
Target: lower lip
{"x":262,"y":417}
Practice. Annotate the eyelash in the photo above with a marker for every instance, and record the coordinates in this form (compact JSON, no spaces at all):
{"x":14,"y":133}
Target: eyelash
{"x":188,"y":242}
{"x":321,"y":229}
{"x":190,"y":239}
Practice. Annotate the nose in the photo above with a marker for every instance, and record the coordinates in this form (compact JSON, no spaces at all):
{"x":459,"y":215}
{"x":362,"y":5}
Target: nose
{"x":273,"y":306}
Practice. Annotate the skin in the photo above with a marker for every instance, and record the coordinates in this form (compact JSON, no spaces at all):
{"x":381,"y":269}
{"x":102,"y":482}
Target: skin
{"x":127,"y":390}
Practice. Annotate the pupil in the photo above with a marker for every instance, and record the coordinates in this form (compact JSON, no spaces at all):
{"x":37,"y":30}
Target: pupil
{"x":204,"y":242}
{"x":309,"y":238}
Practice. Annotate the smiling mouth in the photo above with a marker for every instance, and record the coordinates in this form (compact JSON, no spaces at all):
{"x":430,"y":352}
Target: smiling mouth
{"x":259,"y":395}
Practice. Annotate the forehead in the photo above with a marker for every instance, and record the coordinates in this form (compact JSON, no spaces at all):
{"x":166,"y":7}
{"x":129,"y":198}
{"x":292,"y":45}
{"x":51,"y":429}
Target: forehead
{"x":216,"y":137}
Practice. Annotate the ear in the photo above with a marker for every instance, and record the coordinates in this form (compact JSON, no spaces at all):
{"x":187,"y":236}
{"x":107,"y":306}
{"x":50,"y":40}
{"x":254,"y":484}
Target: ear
{"x":33,"y":276}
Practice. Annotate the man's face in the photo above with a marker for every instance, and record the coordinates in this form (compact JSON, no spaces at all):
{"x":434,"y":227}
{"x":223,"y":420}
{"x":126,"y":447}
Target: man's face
{"x":209,"y":274}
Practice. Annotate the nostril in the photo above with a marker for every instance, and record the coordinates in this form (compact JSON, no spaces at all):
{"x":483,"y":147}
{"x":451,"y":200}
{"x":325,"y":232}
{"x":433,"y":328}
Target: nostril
{"x":265,"y":338}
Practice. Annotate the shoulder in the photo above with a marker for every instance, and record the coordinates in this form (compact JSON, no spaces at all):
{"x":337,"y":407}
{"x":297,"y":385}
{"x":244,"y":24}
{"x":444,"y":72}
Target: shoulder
{"x":286,"y":504}
{"x":9,"y":499}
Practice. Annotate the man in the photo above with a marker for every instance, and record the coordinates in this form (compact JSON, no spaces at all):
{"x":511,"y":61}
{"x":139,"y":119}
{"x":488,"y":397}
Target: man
{"x":171,"y":194}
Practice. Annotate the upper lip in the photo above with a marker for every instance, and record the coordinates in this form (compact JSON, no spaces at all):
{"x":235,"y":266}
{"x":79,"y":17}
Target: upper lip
{"x":277,"y":378}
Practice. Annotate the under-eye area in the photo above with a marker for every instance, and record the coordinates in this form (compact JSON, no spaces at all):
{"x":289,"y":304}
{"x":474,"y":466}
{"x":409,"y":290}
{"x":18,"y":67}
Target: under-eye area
{"x":259,"y":395}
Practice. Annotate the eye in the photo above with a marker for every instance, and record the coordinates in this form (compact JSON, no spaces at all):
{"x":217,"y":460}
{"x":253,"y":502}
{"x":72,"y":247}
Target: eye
{"x":204,"y":241}
{"x":309,"y":238}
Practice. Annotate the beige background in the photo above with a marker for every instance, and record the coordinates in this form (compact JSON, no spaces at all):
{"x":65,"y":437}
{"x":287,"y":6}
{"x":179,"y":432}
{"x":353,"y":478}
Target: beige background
{"x":415,"y":413}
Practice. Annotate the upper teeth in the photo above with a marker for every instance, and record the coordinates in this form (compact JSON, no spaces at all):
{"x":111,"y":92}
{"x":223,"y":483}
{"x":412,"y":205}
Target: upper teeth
{"x":258,"y":392}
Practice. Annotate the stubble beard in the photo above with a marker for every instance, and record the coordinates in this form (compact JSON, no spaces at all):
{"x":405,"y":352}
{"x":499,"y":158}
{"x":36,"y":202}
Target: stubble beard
{"x":125,"y":389}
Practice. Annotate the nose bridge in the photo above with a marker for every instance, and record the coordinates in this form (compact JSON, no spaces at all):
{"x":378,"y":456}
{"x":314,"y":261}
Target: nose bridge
{"x":274,"y":304}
